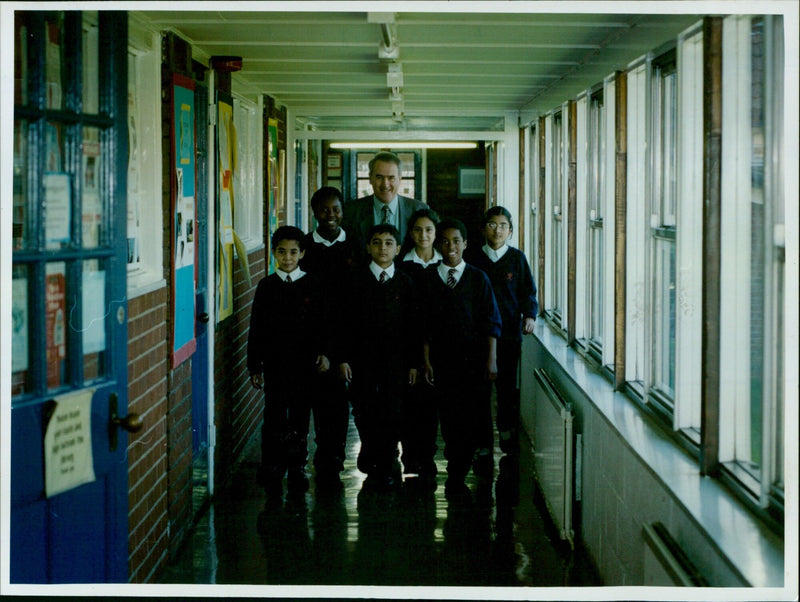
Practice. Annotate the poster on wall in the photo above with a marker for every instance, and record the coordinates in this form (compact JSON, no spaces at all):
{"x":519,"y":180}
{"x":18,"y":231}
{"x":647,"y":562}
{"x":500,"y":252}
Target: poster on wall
{"x":183,"y":249}
{"x":272,"y":209}
{"x":226,"y":144}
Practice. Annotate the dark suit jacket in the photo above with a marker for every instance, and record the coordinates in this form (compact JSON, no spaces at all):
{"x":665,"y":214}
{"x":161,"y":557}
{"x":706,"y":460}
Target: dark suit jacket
{"x":358,"y":216}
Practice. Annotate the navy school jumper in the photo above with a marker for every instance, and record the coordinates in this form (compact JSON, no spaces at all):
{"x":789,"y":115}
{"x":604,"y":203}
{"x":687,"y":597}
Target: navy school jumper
{"x":457,"y":325}
{"x":515,"y":292}
{"x":380,"y":340}
{"x":284,"y":341}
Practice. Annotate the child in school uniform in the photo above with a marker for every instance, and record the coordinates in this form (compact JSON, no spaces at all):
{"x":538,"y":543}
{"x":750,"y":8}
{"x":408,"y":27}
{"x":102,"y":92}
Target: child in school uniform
{"x":420,"y":423}
{"x":462,"y":324}
{"x":285,"y":350}
{"x":330,"y":255}
{"x":378,"y":355}
{"x":515,"y":292}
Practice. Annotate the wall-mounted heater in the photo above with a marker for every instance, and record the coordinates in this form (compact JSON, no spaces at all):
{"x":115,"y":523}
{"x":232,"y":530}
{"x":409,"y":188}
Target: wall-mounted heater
{"x":553,"y":447}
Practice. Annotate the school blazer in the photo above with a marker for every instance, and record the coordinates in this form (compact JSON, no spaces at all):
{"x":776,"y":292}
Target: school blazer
{"x":358,"y":215}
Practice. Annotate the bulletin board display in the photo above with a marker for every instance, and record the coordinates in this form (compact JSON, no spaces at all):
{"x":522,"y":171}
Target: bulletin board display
{"x":182,"y":280}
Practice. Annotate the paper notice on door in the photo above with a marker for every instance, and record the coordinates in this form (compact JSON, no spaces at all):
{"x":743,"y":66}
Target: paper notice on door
{"x":68,"y":460}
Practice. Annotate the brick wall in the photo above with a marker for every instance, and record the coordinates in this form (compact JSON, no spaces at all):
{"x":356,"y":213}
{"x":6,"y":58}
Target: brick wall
{"x":147,"y":459}
{"x":179,"y":454}
{"x":238,"y":406}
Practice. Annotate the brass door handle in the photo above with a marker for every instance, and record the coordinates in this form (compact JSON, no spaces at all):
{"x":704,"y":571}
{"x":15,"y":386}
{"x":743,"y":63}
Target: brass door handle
{"x":131,"y":423}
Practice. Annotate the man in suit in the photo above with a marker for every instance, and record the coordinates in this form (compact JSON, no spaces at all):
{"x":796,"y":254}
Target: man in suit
{"x":385,"y":205}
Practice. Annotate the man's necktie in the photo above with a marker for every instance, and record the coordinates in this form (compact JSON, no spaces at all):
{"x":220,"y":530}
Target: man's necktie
{"x":288,"y":280}
{"x":383,"y":277}
{"x":451,"y":278}
{"x":385,"y":214}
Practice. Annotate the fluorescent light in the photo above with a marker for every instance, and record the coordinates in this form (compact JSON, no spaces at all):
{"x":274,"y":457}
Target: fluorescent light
{"x":392,"y":144}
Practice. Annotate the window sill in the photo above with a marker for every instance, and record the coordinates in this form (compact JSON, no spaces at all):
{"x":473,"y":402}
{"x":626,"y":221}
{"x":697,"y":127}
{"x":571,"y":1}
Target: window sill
{"x":750,"y":547}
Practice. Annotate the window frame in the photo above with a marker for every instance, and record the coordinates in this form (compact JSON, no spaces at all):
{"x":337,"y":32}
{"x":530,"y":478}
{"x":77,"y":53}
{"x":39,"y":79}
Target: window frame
{"x":144,"y":190}
{"x":248,"y":192}
{"x":557,"y":128}
{"x":661,"y":253}
{"x":736,"y":345}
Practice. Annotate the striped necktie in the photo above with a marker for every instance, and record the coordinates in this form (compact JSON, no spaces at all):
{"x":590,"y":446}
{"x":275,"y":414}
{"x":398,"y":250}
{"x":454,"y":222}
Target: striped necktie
{"x":451,"y":277}
{"x":385,"y":214}
{"x":383,"y":277}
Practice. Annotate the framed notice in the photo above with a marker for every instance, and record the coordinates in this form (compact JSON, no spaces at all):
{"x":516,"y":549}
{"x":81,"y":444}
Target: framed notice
{"x":471,"y":182}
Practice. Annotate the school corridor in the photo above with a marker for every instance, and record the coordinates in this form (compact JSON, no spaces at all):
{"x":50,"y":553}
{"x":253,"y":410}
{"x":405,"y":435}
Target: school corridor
{"x":349,"y":537}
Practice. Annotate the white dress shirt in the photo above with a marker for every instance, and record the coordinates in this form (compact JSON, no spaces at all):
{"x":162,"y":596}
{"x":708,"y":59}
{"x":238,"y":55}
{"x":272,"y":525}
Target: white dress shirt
{"x":444,"y":271}
{"x":329,"y":243}
{"x":493,"y":254}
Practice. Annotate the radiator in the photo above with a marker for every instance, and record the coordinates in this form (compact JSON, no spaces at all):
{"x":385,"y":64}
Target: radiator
{"x":553,"y":451}
{"x":665,"y":563}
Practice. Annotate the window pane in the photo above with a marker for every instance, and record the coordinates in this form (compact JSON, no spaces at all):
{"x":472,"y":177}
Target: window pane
{"x":54,"y":62}
{"x":21,"y":380}
{"x":362,"y":164}
{"x":20,"y":58}
{"x":669,"y":147}
{"x":56,"y":324}
{"x":749,"y":443}
{"x":596,"y":288}
{"x":91,"y":207}
{"x":364,"y":188}
{"x":94,"y":317}
{"x":664,"y":318}
{"x":20,"y":227}
{"x":91,"y":72}
{"x":58,"y":209}
{"x":407,"y":162}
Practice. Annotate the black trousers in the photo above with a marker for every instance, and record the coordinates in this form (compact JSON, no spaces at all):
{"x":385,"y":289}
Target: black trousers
{"x":508,"y":353}
{"x":463,"y":403}
{"x":284,"y":432}
{"x":377,"y":403}
{"x":331,"y":408}
{"x":420,"y":426}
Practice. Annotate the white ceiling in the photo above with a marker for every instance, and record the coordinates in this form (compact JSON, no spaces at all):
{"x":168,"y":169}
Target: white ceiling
{"x":462,"y":71}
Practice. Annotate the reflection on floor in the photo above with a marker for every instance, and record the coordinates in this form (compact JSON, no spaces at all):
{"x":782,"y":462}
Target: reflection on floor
{"x":404,"y":537}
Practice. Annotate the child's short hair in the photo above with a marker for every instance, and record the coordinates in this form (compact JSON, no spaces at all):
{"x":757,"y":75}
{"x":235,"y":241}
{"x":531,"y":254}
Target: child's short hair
{"x":450,"y":224}
{"x":384,"y":229}
{"x":323,"y":194}
{"x":498,"y":210}
{"x":287,"y":233}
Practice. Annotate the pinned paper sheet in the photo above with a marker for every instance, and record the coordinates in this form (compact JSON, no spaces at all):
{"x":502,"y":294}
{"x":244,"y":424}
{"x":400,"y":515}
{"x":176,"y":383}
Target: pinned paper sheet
{"x":68,"y":460}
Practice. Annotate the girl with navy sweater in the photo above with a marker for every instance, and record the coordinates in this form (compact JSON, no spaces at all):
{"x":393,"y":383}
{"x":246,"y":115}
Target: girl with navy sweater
{"x":515,"y":292}
{"x":420,"y":422}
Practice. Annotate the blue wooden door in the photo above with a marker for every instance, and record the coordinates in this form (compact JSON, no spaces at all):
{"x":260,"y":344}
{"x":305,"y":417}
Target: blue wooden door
{"x":69,"y":507}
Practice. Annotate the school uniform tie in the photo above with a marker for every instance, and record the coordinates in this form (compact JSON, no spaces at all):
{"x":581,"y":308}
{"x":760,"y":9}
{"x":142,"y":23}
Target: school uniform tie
{"x":451,"y":278}
{"x":383,"y":277}
{"x":385,"y":210}
{"x":288,"y":280}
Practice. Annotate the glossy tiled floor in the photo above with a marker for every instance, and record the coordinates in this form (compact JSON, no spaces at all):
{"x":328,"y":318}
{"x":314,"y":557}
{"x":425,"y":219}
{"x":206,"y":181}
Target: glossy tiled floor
{"x":356,"y":537}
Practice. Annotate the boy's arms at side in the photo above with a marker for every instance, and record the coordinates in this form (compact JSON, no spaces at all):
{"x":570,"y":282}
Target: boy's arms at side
{"x":527,"y":326}
{"x":491,"y":360}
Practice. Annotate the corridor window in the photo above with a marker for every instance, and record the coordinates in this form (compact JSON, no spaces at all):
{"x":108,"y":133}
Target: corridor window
{"x":752,"y":257}
{"x":557,"y":261}
{"x":145,"y":264}
{"x":248,"y":178}
{"x":664,"y":115}
{"x":595,"y":188}
{"x":689,"y":237}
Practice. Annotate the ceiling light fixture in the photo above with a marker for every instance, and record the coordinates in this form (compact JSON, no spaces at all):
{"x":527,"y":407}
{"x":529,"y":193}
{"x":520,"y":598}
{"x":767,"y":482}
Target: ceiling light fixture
{"x":403,"y":145}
